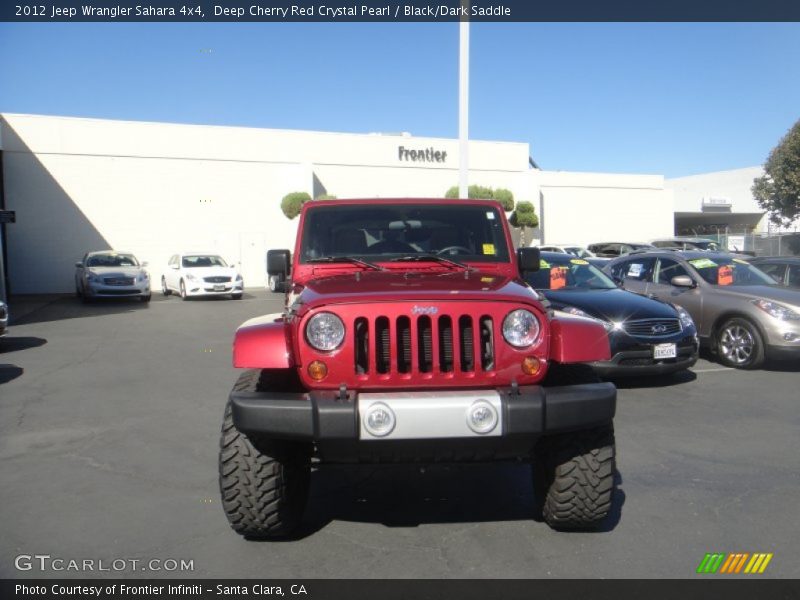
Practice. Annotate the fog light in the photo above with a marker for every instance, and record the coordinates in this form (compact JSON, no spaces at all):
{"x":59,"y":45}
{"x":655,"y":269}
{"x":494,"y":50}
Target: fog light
{"x":379,"y":420}
{"x":317,"y":370}
{"x":531,"y":365}
{"x":481,"y":417}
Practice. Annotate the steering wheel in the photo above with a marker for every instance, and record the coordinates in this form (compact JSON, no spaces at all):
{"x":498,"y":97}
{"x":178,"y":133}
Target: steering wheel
{"x":454,"y":250}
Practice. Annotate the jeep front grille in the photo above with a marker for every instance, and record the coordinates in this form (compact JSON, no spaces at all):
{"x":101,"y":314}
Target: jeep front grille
{"x":425,"y":344}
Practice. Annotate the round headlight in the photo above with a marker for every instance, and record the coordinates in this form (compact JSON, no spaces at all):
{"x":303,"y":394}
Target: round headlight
{"x":325,"y":331}
{"x":520,"y":328}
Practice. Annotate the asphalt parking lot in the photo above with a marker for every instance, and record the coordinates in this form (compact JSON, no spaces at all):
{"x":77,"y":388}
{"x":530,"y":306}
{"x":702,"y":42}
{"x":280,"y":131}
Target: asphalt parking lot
{"x":109,"y":426}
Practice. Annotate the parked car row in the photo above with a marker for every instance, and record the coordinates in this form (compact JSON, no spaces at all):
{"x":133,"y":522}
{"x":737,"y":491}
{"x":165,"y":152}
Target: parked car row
{"x":110,"y":274}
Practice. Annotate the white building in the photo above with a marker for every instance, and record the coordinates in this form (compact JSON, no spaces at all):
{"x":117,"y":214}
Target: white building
{"x":155,"y":189}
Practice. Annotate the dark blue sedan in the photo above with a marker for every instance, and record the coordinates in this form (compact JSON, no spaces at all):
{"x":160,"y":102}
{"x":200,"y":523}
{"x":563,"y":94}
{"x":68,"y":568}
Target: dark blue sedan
{"x":647,"y":336}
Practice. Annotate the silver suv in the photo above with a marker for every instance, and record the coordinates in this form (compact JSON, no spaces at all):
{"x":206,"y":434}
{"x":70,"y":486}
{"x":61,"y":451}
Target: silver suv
{"x":740,"y":312}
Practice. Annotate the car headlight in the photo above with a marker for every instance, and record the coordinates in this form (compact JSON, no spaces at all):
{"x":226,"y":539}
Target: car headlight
{"x":143,"y":276}
{"x":238,"y":277}
{"x":190,"y":277}
{"x":686,"y":319}
{"x":573,"y":310}
{"x":92,"y":277}
{"x":779,"y":311}
{"x":521,"y":328}
{"x":325,"y":331}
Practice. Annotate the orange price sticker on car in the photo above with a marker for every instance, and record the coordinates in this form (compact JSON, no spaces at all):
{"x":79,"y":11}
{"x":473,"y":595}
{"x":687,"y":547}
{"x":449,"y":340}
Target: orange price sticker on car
{"x":558,"y":278}
{"x":725,"y":275}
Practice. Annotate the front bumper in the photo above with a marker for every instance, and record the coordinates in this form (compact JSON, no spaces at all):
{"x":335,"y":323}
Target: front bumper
{"x":203,"y":288}
{"x":331,"y":421}
{"x":100,"y":290}
{"x":633,"y":358}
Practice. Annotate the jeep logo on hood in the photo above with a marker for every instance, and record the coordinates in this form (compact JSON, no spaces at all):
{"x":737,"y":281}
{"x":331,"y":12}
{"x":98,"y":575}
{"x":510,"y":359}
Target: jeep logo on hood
{"x":424,"y":310}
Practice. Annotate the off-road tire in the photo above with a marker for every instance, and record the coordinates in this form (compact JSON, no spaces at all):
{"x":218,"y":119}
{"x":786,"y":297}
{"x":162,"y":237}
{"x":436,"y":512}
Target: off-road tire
{"x":264,"y":483}
{"x":573,"y":478}
{"x":751,"y":338}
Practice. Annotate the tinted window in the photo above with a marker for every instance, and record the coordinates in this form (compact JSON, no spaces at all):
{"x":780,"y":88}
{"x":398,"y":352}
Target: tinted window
{"x":375,"y":232}
{"x":203,"y":261}
{"x":668,"y":269}
{"x":568,"y":272}
{"x":794,"y":275}
{"x":112,"y":260}
{"x":773,"y":270}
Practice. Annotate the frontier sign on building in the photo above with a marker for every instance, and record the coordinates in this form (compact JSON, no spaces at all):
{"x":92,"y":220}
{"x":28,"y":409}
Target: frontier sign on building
{"x":426,"y":155}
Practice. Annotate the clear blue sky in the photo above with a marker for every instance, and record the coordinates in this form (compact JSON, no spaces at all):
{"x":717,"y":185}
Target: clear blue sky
{"x":669,"y":99}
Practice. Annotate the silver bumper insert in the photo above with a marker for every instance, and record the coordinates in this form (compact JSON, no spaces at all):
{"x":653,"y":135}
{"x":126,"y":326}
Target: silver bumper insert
{"x":427,"y":415}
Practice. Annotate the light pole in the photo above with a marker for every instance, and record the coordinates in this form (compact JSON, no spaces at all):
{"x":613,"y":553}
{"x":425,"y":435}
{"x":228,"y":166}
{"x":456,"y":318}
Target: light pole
{"x":463,"y":109}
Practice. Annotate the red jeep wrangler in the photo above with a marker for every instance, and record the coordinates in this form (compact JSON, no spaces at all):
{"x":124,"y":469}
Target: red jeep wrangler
{"x":408,"y":334}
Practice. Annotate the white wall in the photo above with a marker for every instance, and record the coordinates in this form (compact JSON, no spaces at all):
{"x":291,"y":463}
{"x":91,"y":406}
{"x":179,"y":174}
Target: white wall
{"x":584,"y":208}
{"x":155,"y":189}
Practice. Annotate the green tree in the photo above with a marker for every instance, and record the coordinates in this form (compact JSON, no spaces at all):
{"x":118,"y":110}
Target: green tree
{"x":474,"y":192}
{"x":524,"y":216}
{"x":505,"y":197}
{"x":778,"y":190}
{"x":293,"y":202}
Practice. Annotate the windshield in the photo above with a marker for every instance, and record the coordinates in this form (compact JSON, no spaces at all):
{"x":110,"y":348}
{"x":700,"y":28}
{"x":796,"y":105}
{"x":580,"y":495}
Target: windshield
{"x":729,"y":272}
{"x":203,"y":260}
{"x":375,"y":233}
{"x":568,"y":273}
{"x":112,"y":260}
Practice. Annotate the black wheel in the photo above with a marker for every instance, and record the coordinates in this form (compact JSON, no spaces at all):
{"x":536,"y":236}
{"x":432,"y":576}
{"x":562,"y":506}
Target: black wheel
{"x":738,"y":344}
{"x":264,"y":483}
{"x":77,"y":291}
{"x":183,"y":290}
{"x":573,"y":478}
{"x":164,"y":289}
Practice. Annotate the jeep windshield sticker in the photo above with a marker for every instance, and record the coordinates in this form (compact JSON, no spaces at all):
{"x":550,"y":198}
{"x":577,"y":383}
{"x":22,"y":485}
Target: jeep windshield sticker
{"x":702,"y":263}
{"x":488,"y":249}
{"x":558,"y":278}
{"x":579,"y":261}
{"x":725,"y":275}
{"x":490,"y":215}
{"x":543,"y":264}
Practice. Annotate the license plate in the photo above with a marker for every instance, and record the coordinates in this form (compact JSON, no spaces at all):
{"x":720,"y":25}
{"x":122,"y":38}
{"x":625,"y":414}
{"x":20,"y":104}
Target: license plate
{"x":664,"y":351}
{"x":219,"y":287}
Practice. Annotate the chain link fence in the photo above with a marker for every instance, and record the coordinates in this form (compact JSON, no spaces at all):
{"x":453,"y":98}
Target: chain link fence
{"x":759,"y":244}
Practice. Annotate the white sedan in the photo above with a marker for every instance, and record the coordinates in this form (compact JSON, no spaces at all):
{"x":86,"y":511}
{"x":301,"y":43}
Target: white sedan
{"x":199,"y":274}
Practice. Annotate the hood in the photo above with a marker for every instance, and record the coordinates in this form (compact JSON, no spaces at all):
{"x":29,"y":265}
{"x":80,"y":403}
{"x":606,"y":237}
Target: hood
{"x":115,"y":271}
{"x":215,"y":271}
{"x":611,"y":305}
{"x":777,"y":293}
{"x":390,"y":286}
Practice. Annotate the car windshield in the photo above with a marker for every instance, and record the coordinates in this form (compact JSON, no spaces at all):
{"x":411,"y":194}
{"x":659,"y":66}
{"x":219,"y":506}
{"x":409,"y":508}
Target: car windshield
{"x":568,"y":273}
{"x":203,"y":260}
{"x":112,"y":260}
{"x":725,"y":271}
{"x":386,"y":233}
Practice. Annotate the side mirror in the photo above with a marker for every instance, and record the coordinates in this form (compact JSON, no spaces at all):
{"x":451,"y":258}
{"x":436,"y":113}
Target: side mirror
{"x":174,"y":266}
{"x":528,"y":260}
{"x":145,"y":263}
{"x":683,"y":281}
{"x":79,"y":264}
{"x":278,"y":263}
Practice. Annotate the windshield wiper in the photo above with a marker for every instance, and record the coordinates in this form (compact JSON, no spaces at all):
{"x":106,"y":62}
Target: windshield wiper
{"x":347,"y":259}
{"x":432,"y":257}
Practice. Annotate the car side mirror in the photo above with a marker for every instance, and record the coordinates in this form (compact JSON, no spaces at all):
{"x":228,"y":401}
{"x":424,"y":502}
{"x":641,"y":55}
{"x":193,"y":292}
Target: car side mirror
{"x":78,"y":264}
{"x":145,"y":263}
{"x":176,"y":267}
{"x":528,"y":260}
{"x":682,"y":281}
{"x":279,"y":264}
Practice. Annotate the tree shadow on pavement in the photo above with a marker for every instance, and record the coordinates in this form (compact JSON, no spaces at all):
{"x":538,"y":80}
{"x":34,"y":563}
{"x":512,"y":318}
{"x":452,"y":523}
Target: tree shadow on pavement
{"x":9,"y":373}
{"x":14,"y":344}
